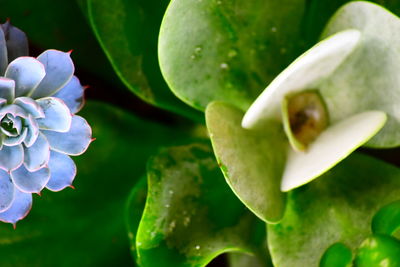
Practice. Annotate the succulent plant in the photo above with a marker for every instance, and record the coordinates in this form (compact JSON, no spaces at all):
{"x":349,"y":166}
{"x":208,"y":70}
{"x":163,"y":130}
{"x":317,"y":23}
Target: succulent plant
{"x":38,"y":126}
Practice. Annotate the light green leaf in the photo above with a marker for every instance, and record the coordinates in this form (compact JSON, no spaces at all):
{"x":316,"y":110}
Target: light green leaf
{"x":378,"y":250}
{"x":369,"y":78}
{"x":86,"y":227}
{"x":191,"y":216}
{"x":227,"y":50}
{"x":127,"y":32}
{"x":336,"y":208}
{"x":252,"y":161}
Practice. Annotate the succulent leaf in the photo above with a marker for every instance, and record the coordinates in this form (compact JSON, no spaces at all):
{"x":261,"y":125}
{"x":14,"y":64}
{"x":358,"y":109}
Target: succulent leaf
{"x":7,"y":89}
{"x":19,"y":208}
{"x":30,"y":106}
{"x":73,"y":142}
{"x":30,"y":182}
{"x":57,"y":116}
{"x":37,"y":155}
{"x":27,"y":72}
{"x":59,"y":70}
{"x":6,"y":191}
{"x":72,"y":94}
{"x":11,"y":157}
{"x":62,"y":171}
{"x":17,"y":43}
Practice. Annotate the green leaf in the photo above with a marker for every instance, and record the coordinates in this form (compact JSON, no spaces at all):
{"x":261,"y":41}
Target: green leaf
{"x":227,"y":50}
{"x":127,"y":32}
{"x":369,"y":78}
{"x":86,"y":227}
{"x":191,"y":216}
{"x":336,"y":208}
{"x":252,"y":161}
{"x":337,"y":255}
{"x":378,"y":250}
{"x":387,"y":220}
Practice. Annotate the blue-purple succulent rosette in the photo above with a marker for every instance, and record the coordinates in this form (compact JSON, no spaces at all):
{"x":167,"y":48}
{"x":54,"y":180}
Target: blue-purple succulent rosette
{"x":38,"y":126}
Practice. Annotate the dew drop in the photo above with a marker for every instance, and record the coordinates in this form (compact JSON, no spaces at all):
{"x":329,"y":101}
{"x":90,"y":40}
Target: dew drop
{"x":224,"y":66}
{"x":171,"y":192}
{"x":273,"y":29}
{"x":197,"y":247}
{"x":167,"y":205}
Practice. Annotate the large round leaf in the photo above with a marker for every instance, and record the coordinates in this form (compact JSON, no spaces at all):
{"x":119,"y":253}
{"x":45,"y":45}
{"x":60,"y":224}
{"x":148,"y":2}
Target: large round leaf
{"x":336,"y":208}
{"x":369,"y":78}
{"x":128,"y":32}
{"x":227,"y":50}
{"x":191,"y":215}
{"x":253,"y":162}
{"x":85,"y":227}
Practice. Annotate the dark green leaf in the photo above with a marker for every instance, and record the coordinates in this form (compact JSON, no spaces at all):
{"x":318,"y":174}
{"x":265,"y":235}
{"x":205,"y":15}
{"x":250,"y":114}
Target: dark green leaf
{"x":128,"y":32}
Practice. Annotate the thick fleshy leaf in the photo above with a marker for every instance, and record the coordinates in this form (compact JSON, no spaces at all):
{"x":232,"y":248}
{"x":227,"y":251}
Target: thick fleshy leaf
{"x":30,"y":182}
{"x":15,"y":140}
{"x":7,"y":87}
{"x":59,"y":70}
{"x":33,"y":131}
{"x":57,"y":116}
{"x":10,"y":125}
{"x":337,"y":255}
{"x":241,"y":48}
{"x":338,"y":207}
{"x":369,"y":78}
{"x":30,"y":106}
{"x":19,"y":208}
{"x":378,"y":250}
{"x":72,"y":94}
{"x":37,"y":155}
{"x":333,"y":145}
{"x":14,"y":110}
{"x":306,"y":72}
{"x":6,"y":191}
{"x":3,"y":53}
{"x":182,"y":223}
{"x":73,"y":142}
{"x":11,"y":157}
{"x":387,"y":220}
{"x":106,"y":174}
{"x":62,"y":171}
{"x":27,"y":72}
{"x":130,"y":43}
{"x":252,"y":161}
{"x":17,"y":43}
